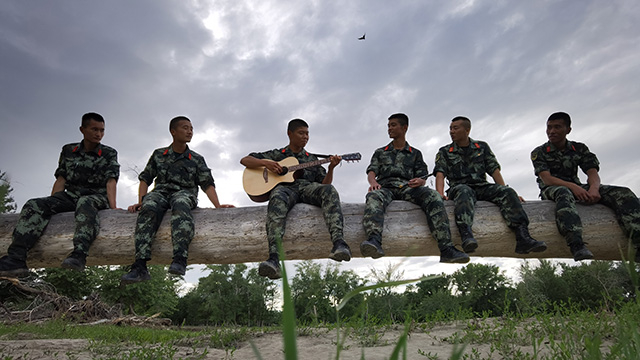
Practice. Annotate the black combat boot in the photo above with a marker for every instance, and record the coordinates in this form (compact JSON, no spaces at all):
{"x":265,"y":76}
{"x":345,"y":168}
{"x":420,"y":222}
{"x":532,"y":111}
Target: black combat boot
{"x":371,"y":248}
{"x":469,"y":243}
{"x":450,"y":254}
{"x":270,"y":268}
{"x":580,"y":251}
{"x":137,"y":274}
{"x":75,"y":261}
{"x":525,"y":243}
{"x":11,"y":267}
{"x":340,"y":251}
{"x":178,"y":266}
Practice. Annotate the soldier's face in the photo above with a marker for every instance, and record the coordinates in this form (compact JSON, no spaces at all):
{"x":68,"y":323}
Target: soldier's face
{"x":458,"y":132}
{"x":93,"y":132}
{"x":299,"y":137}
{"x":557,"y":131}
{"x":395,"y":130}
{"x":183,"y":132}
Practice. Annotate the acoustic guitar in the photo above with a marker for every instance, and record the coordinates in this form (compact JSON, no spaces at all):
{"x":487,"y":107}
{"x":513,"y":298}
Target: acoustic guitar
{"x":258,"y":182}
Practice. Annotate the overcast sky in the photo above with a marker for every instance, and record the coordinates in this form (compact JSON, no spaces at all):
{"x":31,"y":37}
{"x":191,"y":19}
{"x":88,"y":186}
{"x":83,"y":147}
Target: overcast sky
{"x":242,"y":69}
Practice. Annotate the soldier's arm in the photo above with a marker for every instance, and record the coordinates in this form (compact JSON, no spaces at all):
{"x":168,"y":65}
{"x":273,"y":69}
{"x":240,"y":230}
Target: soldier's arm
{"x":593,"y":179}
{"x":213,"y":197}
{"x":440,"y":185}
{"x":497,"y":177}
{"x":58,"y":185}
{"x":111,"y":192}
{"x":143,"y":188}
{"x":335,"y":160}
{"x":550,"y":180}
{"x":252,"y":163}
{"x":373,"y":183}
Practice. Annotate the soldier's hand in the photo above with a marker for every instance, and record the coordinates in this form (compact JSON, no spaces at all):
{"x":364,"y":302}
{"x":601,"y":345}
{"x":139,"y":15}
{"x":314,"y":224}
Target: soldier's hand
{"x":581,"y":194}
{"x":133,"y":208}
{"x":375,"y":186}
{"x":521,"y":199}
{"x":594,"y":195}
{"x":226,"y":206}
{"x":416,"y":182}
{"x":273,"y":166}
{"x":335,"y":160}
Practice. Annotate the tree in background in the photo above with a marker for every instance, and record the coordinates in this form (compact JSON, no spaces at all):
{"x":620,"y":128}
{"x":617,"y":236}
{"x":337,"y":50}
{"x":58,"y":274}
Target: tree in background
{"x":230,"y":294}
{"x":385,"y":303}
{"x":483,"y":288}
{"x":432,"y":299}
{"x":7,"y":204}
{"x":316,"y":291}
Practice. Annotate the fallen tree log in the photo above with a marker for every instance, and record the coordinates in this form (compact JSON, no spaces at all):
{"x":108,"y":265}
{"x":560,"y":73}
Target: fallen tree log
{"x":237,"y":235}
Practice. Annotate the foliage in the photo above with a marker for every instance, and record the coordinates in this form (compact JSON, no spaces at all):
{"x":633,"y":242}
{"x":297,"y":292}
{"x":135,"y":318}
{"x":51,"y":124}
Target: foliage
{"x":316,"y":291}
{"x":482,"y":288}
{"x":230,"y":294}
{"x":158,"y":295}
{"x":7,"y":204}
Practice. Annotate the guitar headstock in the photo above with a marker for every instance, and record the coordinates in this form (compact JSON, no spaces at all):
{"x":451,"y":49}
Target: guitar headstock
{"x":351,"y":157}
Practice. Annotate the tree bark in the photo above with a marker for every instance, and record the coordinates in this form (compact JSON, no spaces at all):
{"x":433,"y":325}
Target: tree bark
{"x":237,"y":235}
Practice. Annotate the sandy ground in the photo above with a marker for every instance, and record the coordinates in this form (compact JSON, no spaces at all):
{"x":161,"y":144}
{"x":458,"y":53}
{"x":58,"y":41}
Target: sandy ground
{"x":319,"y":344}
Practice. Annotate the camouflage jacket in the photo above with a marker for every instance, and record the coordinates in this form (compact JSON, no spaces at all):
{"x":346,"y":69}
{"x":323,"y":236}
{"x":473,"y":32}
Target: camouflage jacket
{"x":87,"y":173}
{"x":173,"y":172}
{"x":466,"y":166}
{"x":563,"y":164}
{"x":311,"y":174}
{"x":393,"y":168}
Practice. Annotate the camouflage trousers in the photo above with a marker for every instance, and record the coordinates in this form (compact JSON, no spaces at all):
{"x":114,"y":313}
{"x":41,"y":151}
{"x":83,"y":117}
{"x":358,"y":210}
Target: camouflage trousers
{"x":36,"y":213}
{"x":429,"y":200}
{"x":282,"y":199}
{"x":623,"y":201}
{"x":154,"y":206}
{"x":464,"y":197}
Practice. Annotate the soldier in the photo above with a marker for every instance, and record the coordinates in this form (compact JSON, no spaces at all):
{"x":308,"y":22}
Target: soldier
{"x":178,"y":171}
{"x":312,"y":187}
{"x":86,"y":180}
{"x":556,"y":165}
{"x":465,"y":163}
{"x":398,"y":172}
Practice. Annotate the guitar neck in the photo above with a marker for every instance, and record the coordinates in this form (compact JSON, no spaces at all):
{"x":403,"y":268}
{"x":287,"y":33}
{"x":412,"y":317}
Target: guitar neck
{"x":308,"y":164}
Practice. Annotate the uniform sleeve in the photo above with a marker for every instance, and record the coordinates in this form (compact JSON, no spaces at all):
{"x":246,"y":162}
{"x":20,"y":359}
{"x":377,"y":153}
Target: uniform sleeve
{"x":205,"y":179}
{"x":441,"y":163}
{"x":150,"y":171}
{"x":113,"y":168}
{"x":539,"y":163}
{"x":490,"y":161}
{"x":588,"y":160}
{"x":374,"y":165}
{"x":271,"y":155}
{"x":62,"y":168}
{"x":420,"y":168}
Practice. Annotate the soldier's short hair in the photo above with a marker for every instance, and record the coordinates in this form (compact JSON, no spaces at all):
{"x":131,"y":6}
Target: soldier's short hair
{"x":295,"y":124}
{"x":561,"y":116}
{"x":403,"y":119}
{"x":465,"y":121}
{"x":86,"y":118}
{"x":174,"y":122}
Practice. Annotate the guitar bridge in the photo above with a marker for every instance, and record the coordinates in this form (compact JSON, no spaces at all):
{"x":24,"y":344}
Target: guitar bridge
{"x":265,"y":175}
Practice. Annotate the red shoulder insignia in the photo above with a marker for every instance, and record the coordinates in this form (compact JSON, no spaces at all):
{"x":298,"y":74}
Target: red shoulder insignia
{"x":166,"y":151}
{"x":451,"y":149}
{"x":477,"y":145}
{"x":386,"y":148}
{"x":410,"y":149}
{"x":75,"y":149}
{"x":189,"y":156}
{"x":284,"y":150}
{"x":548,"y":148}
{"x":99,"y":152}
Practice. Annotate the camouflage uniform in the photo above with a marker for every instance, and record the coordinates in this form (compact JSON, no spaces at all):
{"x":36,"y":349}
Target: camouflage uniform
{"x":177,"y":177}
{"x":308,"y":189}
{"x":85,"y":192}
{"x":393,"y":169}
{"x":465,"y":170}
{"x":564,"y":164}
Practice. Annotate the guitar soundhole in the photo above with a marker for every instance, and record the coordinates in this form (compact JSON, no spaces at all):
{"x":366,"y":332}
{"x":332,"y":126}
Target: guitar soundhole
{"x":284,"y":170}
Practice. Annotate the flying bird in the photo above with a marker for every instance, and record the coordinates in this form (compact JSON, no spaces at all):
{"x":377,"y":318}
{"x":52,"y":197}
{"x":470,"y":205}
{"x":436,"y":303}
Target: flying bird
{"x":362,"y":37}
